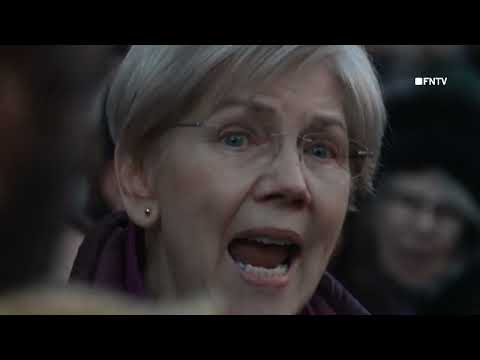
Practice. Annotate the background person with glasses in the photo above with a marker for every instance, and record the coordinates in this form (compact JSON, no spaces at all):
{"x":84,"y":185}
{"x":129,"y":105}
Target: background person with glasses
{"x":237,"y":166}
{"x":414,"y":248}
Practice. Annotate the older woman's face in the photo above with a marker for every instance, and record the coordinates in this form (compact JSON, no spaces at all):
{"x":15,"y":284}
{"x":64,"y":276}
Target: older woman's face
{"x":243,"y":218}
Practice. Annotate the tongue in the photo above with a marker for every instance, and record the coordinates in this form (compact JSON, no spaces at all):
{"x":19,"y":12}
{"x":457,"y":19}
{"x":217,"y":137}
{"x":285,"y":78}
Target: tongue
{"x":258,"y":255}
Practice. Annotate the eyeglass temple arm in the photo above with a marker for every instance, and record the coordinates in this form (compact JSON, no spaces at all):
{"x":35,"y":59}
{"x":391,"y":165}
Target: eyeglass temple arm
{"x":362,"y":154}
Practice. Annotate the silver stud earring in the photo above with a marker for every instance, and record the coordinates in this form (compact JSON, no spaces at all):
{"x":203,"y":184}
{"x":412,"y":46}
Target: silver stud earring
{"x":148,"y":212}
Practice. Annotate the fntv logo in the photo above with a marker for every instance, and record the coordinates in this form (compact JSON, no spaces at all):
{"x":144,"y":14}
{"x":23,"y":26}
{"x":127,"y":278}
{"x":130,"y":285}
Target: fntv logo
{"x":436,"y":81}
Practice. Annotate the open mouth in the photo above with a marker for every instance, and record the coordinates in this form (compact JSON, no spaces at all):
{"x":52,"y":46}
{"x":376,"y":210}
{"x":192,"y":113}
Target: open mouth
{"x":264,"y":258}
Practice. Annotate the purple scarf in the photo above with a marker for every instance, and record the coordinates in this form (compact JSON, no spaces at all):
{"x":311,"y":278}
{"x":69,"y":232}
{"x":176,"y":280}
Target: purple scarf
{"x":111,"y":257}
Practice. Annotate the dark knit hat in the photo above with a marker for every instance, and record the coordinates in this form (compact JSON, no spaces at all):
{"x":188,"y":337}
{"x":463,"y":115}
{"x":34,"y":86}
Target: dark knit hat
{"x":436,"y":126}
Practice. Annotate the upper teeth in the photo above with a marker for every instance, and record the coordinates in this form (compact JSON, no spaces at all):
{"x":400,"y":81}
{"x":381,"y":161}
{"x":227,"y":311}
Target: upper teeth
{"x":270,"y":241}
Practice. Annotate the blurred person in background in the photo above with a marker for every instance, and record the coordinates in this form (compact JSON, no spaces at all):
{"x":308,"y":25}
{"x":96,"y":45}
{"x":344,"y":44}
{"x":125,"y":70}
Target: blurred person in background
{"x":420,"y":233}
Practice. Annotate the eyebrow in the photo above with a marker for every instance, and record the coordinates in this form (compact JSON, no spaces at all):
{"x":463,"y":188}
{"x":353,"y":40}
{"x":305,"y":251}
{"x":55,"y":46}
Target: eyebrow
{"x":322,"y":120}
{"x":318,"y":120}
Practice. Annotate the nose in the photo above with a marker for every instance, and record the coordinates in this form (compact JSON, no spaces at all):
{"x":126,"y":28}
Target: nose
{"x":283,"y":182}
{"x":425,"y":220}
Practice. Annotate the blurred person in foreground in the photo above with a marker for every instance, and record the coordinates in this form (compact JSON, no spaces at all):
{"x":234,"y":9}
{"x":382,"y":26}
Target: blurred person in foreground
{"x":48,"y":112}
{"x":420,"y":233}
{"x":237,"y":166}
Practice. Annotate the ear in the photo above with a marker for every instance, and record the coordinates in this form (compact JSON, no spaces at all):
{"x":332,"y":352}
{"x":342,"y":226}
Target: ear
{"x":136,"y":191}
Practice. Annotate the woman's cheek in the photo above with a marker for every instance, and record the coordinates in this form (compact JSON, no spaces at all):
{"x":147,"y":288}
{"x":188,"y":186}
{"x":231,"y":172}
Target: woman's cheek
{"x":189,"y":187}
{"x":330,"y":211}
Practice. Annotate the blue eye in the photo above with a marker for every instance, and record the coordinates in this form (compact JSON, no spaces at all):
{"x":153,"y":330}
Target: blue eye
{"x":320,"y":151}
{"x":235,"y":140}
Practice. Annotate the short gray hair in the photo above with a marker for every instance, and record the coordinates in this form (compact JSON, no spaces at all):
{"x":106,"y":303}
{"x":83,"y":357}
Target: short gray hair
{"x":158,"y":85}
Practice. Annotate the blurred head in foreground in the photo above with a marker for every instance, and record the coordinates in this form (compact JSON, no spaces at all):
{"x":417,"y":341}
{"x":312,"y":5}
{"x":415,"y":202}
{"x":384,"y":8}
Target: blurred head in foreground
{"x":48,"y":111}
